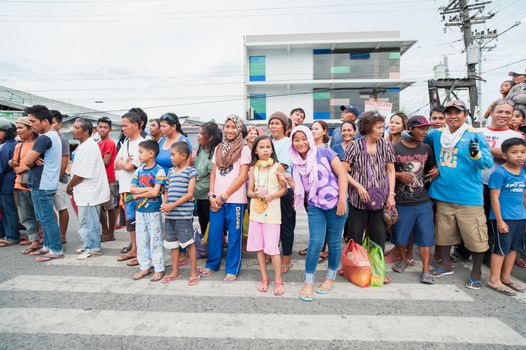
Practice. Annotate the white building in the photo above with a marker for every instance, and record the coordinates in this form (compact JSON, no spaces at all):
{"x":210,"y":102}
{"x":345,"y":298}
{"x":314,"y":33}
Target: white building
{"x":319,"y":72}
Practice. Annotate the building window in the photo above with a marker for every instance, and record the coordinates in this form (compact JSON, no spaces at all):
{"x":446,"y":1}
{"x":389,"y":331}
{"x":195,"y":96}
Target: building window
{"x":259,"y":104}
{"x":257,"y":71}
{"x":326,"y":104}
{"x":353,"y":64}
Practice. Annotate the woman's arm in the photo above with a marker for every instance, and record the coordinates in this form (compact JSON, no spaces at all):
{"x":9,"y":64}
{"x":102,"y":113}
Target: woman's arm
{"x":339,"y":170}
{"x":391,"y":178}
{"x":234,"y":186}
{"x":251,"y":183}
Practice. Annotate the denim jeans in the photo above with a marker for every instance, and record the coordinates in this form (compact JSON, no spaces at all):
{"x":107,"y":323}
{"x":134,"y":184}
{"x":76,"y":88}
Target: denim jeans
{"x":9,"y":217}
{"x":323,"y":222}
{"x":43,"y":203}
{"x":89,"y":227}
{"x":26,"y":213}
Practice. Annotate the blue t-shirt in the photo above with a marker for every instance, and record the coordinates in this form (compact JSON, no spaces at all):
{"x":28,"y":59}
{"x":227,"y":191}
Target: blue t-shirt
{"x":282,"y":152}
{"x":460,"y":176}
{"x":163,"y":158}
{"x":7,"y":174}
{"x":511,"y":197}
{"x":339,"y":150}
{"x":178,"y":187}
{"x":149,"y":177}
{"x":46,"y":177}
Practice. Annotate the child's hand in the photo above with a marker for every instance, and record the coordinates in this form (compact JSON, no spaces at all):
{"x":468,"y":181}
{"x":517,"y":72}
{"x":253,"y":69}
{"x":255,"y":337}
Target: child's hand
{"x":502,"y":227}
{"x":266,"y":197}
{"x":286,"y":178}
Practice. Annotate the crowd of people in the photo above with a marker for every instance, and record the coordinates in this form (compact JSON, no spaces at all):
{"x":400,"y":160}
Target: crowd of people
{"x":431,"y":181}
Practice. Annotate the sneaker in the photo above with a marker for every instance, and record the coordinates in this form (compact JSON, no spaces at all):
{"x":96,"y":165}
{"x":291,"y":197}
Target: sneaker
{"x":86,"y":255}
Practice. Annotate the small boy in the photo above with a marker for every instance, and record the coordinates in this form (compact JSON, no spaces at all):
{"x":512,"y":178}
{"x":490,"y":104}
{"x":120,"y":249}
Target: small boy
{"x":178,"y":206}
{"x":415,"y":163}
{"x":508,"y":215}
{"x":146,"y":189}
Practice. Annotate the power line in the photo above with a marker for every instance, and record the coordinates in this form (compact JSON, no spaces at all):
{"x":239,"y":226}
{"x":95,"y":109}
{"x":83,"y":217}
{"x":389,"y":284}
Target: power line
{"x":505,"y":65}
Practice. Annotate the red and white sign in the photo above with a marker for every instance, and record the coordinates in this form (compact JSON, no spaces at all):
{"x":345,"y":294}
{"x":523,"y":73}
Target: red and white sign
{"x":382,"y":107}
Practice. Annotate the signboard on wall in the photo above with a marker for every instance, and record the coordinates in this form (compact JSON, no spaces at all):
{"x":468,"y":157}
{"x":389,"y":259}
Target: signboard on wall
{"x":11,"y":115}
{"x":382,"y":107}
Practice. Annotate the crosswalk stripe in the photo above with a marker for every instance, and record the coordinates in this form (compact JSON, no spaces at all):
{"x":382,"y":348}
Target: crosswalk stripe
{"x":111,"y":261}
{"x":463,"y":330}
{"x":214,"y":288}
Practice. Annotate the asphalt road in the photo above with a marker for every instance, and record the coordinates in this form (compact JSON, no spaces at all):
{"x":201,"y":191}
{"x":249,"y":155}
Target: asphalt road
{"x":94,"y":304}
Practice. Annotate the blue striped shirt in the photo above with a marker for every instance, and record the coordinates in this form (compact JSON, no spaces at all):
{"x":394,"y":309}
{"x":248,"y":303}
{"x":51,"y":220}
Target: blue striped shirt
{"x":178,"y":187}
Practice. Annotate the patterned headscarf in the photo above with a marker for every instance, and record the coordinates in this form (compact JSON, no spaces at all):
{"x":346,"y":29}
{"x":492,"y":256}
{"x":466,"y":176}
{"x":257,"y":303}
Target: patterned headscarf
{"x":228,"y":152}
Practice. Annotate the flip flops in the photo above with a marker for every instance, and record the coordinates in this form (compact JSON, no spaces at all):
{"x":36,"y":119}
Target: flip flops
{"x":40,"y":251}
{"x":141,"y":274}
{"x":133,"y":262}
{"x":472,"y":283}
{"x":502,"y":290}
{"x":125,"y":257}
{"x":441,"y":272}
{"x":206,"y":272}
{"x":400,"y":267}
{"x":193,"y":281}
{"x":286,"y":268}
{"x":229,"y":278}
{"x":518,"y":287}
{"x":29,"y":250}
{"x":49,"y":257}
{"x":169,"y":278}
{"x":278,"y":288}
{"x":427,"y":278}
{"x":305,"y":297}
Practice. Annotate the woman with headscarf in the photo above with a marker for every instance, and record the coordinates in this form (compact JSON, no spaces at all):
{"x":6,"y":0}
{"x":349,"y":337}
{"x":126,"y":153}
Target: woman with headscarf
{"x":228,"y":199}
{"x":318,"y":174}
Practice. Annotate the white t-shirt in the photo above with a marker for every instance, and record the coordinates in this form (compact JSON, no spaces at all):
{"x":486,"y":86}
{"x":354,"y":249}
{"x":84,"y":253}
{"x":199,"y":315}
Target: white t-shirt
{"x":88,"y":164}
{"x":128,"y":149}
{"x":225,"y":178}
{"x":495,"y":138}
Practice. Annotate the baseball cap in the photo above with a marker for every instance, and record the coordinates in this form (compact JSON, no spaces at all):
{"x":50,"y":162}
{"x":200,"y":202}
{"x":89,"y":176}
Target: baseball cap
{"x":417,"y":121}
{"x":456,"y":104}
{"x":350,"y":108}
{"x":512,"y":74}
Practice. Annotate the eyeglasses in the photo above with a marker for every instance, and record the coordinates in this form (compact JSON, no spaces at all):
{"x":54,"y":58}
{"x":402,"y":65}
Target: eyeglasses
{"x":168,"y":117}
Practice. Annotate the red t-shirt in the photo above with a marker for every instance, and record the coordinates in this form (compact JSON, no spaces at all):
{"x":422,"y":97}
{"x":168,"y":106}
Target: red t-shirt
{"x":108,"y":147}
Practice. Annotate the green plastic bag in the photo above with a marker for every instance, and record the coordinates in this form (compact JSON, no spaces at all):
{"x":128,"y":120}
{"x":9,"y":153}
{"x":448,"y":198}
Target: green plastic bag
{"x":376,"y":259}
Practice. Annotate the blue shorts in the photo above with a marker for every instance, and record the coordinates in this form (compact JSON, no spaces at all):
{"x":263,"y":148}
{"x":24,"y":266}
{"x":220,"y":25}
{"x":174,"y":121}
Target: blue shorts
{"x":414,"y":219}
{"x":513,"y":240}
{"x":129,"y":209}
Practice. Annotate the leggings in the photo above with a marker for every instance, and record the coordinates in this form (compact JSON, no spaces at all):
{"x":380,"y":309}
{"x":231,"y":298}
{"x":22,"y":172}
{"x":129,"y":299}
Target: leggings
{"x":372,"y":219}
{"x":203,"y":214}
{"x":288,"y":222}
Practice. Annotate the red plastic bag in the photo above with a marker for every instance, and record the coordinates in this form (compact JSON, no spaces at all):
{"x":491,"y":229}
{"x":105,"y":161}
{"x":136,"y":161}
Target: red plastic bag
{"x":356,"y":266}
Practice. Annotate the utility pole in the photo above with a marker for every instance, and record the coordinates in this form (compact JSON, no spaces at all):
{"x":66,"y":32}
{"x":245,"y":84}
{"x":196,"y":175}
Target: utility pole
{"x":459,"y":15}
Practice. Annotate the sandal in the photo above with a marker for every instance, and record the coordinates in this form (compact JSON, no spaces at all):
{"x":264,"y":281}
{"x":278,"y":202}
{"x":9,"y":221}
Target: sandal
{"x":157,"y":278}
{"x":7,"y":243}
{"x":304,"y":296}
{"x":521,"y":262}
{"x":400,"y":267}
{"x":141,"y":274}
{"x":133,"y":262}
{"x":278,"y":288}
{"x":518,"y":287}
{"x":192,"y":281}
{"x":125,"y":257}
{"x":411,"y":262}
{"x":169,"y":278}
{"x":29,"y":250}
{"x":229,"y":278}
{"x":303,"y":252}
{"x":324,"y":291}
{"x":427,"y":278}
{"x":126,"y":249}
{"x":441,"y":272}
{"x":263,"y":285}
{"x":473,"y":283}
{"x":40,"y":251}
{"x":502,"y":290}
{"x":286,"y":268}
{"x":49,"y":257}
{"x":323,"y":258}
{"x":206,"y":272}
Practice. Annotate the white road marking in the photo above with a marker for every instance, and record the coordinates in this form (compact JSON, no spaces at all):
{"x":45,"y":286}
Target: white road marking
{"x":215,"y":288}
{"x":439,"y":329}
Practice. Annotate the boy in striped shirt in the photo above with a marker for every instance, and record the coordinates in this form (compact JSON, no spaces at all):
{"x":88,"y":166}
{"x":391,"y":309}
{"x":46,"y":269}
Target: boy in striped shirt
{"x":178,"y":206}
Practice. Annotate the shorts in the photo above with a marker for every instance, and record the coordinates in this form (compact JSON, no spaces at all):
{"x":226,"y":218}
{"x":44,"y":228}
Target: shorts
{"x":263,"y":237}
{"x":178,"y":233}
{"x":513,"y":240}
{"x":61,"y":198}
{"x":129,"y":209}
{"x":415,"y":219}
{"x":110,"y":204}
{"x":457,"y":223}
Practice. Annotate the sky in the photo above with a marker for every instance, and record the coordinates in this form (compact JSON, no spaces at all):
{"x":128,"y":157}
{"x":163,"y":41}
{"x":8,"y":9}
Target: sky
{"x":187,"y":57}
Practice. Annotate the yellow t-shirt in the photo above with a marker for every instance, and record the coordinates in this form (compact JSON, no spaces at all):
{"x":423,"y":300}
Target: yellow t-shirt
{"x":266,"y":178}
